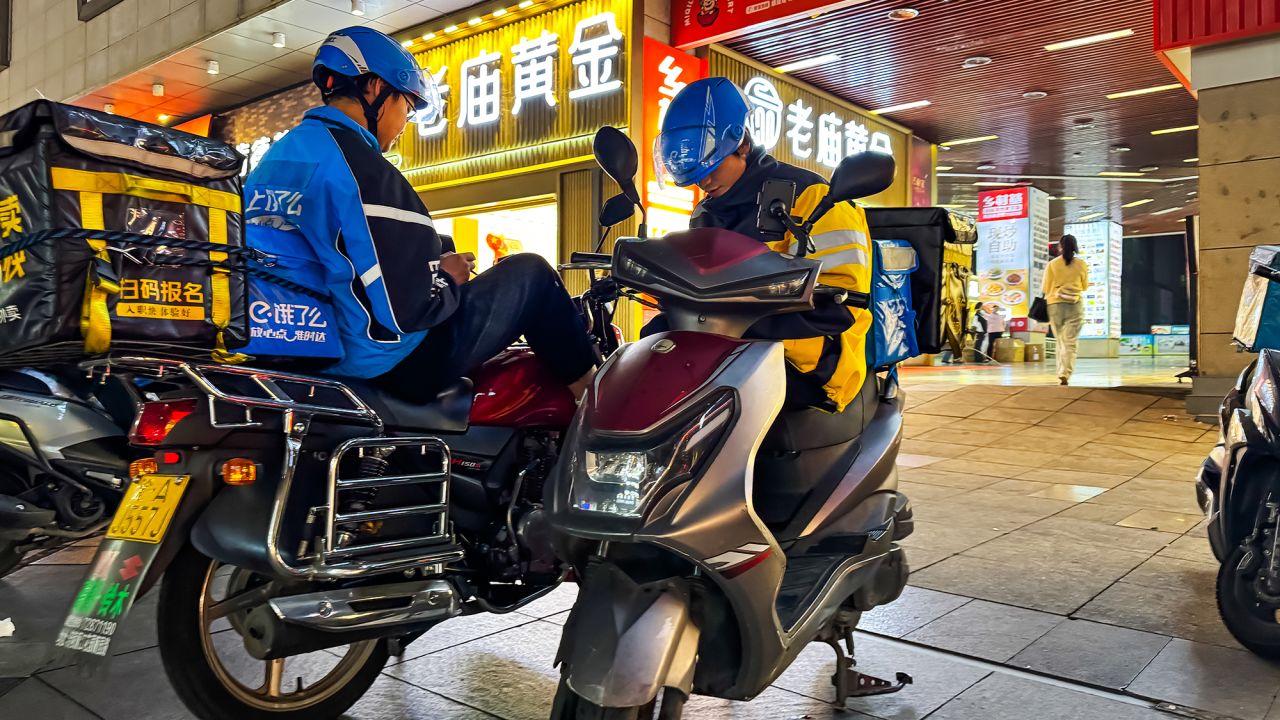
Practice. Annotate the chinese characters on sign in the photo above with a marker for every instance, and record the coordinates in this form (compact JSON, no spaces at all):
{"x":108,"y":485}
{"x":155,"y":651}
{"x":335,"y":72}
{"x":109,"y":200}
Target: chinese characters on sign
{"x":666,"y":72}
{"x":834,"y":137}
{"x":594,"y":69}
{"x":1008,"y":204}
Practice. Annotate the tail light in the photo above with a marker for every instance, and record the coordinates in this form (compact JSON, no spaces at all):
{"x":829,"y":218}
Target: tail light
{"x":157,"y":419}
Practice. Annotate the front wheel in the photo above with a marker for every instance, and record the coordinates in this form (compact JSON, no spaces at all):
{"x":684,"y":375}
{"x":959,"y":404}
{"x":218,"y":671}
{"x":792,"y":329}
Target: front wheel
{"x":570,"y":706}
{"x":218,"y":680}
{"x":1250,"y":618}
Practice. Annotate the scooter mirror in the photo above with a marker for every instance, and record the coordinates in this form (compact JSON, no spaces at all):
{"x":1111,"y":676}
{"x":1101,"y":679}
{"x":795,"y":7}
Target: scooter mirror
{"x":618,"y":208}
{"x":862,"y":175}
{"x":616,"y":155}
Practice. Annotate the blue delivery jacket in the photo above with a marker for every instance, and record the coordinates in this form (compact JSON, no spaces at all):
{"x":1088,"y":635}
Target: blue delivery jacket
{"x":326,"y":191}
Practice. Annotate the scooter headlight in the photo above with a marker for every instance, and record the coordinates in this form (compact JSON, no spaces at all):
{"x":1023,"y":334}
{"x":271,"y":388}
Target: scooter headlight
{"x":620,"y":481}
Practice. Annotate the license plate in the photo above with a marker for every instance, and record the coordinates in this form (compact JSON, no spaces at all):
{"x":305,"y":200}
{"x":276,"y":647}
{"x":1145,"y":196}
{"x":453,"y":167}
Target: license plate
{"x":146,"y":511}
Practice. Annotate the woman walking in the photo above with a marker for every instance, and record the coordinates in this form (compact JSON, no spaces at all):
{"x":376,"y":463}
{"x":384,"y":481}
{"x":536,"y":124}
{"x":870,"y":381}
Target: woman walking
{"x":1065,"y":280}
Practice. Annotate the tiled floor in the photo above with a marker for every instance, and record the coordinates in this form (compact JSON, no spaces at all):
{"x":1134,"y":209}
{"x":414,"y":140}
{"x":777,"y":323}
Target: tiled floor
{"x":1059,"y":571}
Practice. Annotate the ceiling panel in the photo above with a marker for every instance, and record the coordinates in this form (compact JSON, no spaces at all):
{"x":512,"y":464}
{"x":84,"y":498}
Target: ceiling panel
{"x":1072,"y":132}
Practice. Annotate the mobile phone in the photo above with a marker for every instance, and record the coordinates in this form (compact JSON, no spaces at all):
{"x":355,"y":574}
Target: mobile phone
{"x":773,"y":191}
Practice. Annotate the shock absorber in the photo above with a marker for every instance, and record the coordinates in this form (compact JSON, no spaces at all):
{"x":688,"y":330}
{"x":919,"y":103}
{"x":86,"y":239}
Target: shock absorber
{"x":373,"y":464}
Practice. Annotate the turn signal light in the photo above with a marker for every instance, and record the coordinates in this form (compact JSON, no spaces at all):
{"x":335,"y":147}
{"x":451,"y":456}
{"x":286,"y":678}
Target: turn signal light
{"x":145,"y":466}
{"x":239,"y":471}
{"x":157,"y":419}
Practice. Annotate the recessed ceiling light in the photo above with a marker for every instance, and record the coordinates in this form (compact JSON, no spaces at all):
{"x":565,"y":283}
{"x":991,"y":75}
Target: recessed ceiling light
{"x":1065,"y":197}
{"x":406,"y":44}
{"x":451,"y":28}
{"x":473,"y":21}
{"x":157,"y":89}
{"x":903,"y":106}
{"x":969,"y":141}
{"x":986,"y":166}
{"x":1184,"y":128}
{"x":1192,"y":160}
{"x":277,"y":39}
{"x":904,"y":13}
{"x":943,"y":168}
{"x":975,"y":61}
{"x":357,"y":8}
{"x":1082,"y":123}
{"x":1035,"y":94}
{"x":1120,"y":148}
{"x":1149,"y":168}
{"x":1091,"y":39}
{"x":1167,"y":210}
{"x":525,"y":4}
{"x":1119,"y":173}
{"x":1136,"y":203}
{"x":162,"y":117}
{"x":1143,"y":91}
{"x":429,"y":36}
{"x":808,"y":63}
{"x":1193,"y":192}
{"x":212,"y":67}
{"x":1090,"y":216}
{"x":499,"y":12}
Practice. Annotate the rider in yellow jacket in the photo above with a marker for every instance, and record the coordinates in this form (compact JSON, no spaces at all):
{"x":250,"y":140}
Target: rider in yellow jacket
{"x":704,"y":140}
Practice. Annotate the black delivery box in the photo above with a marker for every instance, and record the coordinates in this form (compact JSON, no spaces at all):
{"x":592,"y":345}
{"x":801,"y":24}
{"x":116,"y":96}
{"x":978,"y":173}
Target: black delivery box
{"x":116,"y":235}
{"x":939,"y":286}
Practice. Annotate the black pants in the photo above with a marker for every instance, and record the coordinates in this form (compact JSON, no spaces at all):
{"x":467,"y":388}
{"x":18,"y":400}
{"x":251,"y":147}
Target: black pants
{"x":991,"y":338}
{"x":520,"y":296}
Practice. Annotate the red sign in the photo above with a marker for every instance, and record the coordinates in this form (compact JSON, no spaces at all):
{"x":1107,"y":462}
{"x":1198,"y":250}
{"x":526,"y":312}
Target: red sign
{"x":666,"y":72}
{"x":1182,"y":23}
{"x":921,"y":161}
{"x":695,"y":23}
{"x":1009,"y":204}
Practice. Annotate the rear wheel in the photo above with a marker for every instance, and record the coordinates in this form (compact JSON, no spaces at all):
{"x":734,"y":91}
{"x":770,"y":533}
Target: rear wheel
{"x":201,"y":617}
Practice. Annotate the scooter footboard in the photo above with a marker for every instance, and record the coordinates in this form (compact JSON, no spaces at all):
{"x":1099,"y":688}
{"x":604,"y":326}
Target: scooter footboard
{"x":625,"y":641}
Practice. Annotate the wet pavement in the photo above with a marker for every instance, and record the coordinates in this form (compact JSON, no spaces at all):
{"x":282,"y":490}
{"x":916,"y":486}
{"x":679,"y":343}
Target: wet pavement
{"x":1060,"y":570}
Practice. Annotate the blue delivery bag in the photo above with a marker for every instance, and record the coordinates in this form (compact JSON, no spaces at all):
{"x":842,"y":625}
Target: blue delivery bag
{"x":284,"y":321}
{"x":894,"y":317}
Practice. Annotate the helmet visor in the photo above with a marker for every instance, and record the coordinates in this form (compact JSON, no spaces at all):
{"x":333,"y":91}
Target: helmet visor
{"x":428,"y":107}
{"x":686,"y":155}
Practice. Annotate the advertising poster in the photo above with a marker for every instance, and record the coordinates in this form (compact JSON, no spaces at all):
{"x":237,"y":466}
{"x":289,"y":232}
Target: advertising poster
{"x":1136,"y":345}
{"x":695,"y":23}
{"x":1173,"y":344}
{"x":1101,"y":245}
{"x":923,"y":186}
{"x":1004,"y":250}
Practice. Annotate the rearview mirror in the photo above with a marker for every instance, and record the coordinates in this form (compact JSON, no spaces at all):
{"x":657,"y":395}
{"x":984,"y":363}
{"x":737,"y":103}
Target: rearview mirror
{"x":618,"y":208}
{"x":862,"y":175}
{"x":616,"y":155}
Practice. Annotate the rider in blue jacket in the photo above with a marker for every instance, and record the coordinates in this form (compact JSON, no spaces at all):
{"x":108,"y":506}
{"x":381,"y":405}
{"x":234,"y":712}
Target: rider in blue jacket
{"x":408,"y":311}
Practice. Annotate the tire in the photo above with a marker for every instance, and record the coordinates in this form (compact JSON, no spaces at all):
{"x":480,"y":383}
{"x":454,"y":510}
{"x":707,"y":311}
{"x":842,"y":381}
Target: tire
{"x":1253,"y":627}
{"x":9,"y":557}
{"x":198,"y":678}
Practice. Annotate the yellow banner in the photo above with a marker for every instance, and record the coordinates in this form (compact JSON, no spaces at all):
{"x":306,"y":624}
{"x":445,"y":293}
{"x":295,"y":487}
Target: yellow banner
{"x":160,"y":312}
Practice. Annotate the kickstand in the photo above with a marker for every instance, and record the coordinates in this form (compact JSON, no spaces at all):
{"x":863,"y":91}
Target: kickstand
{"x":851,"y":683}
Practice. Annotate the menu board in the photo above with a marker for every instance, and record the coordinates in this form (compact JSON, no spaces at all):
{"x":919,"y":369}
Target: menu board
{"x":1013,"y":232}
{"x":1101,"y":245}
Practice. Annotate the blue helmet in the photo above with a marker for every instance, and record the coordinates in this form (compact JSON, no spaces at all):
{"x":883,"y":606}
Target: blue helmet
{"x":705,"y":123}
{"x":355,"y":51}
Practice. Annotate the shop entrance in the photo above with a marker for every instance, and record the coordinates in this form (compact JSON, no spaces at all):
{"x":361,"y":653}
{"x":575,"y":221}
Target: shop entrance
{"x":495,"y":230}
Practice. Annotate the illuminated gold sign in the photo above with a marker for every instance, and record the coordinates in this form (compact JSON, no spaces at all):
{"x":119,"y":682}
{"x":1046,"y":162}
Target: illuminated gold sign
{"x":541,"y":84}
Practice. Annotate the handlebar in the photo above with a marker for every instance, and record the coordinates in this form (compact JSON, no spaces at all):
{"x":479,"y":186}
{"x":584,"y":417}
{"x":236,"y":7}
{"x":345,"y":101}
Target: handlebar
{"x":590,"y":257}
{"x":840,"y":296}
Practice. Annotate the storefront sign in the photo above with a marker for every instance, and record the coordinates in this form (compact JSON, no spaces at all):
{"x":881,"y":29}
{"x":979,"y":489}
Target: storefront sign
{"x":1102,"y":246}
{"x":695,"y":23}
{"x":799,"y":125}
{"x":923,"y":160}
{"x":666,"y":72}
{"x":530,"y":83}
{"x":1011,"y":223}
{"x":1011,"y":204}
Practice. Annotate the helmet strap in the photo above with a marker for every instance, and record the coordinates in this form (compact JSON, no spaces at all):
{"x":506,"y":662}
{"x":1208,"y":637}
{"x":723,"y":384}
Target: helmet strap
{"x":371,"y":109}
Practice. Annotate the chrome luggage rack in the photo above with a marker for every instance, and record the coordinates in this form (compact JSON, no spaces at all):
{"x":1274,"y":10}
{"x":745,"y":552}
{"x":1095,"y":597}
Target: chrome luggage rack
{"x":301,"y":399}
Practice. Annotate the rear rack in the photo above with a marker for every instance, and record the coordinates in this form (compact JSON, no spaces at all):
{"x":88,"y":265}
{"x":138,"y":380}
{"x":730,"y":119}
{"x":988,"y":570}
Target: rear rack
{"x":301,"y":399}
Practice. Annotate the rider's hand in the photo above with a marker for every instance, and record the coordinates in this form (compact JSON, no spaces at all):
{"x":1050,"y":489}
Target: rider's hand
{"x":459,"y":266}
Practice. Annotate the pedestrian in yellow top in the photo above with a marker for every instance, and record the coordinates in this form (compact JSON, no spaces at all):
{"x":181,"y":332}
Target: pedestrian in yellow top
{"x":1065,"y":280}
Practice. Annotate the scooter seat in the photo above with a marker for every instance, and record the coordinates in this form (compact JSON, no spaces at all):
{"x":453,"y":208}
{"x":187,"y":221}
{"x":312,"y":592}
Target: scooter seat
{"x":449,"y":411}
